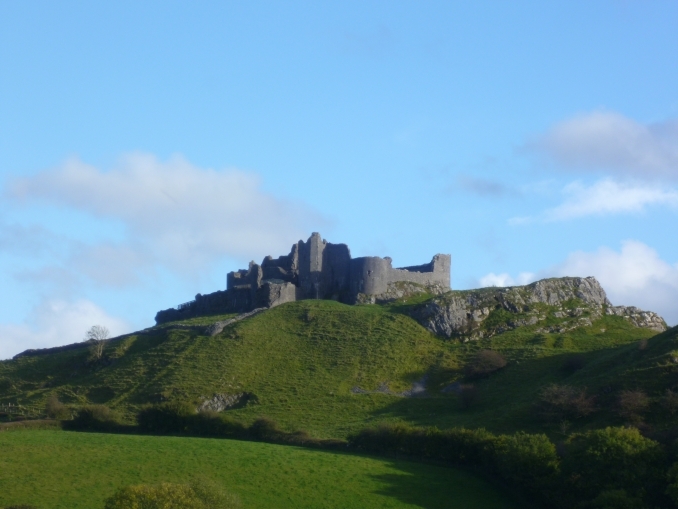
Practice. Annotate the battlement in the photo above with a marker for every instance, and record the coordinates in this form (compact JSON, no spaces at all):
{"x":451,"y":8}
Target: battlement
{"x":315,"y":269}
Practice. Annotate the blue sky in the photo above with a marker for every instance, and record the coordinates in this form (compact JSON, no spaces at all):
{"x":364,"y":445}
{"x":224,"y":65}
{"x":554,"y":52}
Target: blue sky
{"x":148,"y":148}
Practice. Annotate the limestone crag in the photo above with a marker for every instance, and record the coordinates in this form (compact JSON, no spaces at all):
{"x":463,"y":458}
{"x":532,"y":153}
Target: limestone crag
{"x":638,"y":317}
{"x":221,"y":402}
{"x":577,"y":301}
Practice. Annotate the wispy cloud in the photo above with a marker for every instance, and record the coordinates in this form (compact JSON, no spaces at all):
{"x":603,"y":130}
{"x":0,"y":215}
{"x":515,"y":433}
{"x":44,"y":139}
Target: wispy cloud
{"x":483,"y":187}
{"x":607,"y":197}
{"x":604,"y":197}
{"x":611,"y":142}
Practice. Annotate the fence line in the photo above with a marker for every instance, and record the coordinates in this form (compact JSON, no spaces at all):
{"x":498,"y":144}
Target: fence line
{"x":21,"y":410}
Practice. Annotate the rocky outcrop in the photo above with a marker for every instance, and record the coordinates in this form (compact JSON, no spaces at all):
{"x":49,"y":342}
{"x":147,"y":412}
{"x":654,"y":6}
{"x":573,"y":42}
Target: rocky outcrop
{"x":461,"y":313}
{"x":638,"y":317}
{"x":221,"y":402}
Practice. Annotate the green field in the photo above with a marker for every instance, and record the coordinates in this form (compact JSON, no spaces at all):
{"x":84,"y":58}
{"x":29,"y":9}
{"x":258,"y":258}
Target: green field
{"x":58,"y":469}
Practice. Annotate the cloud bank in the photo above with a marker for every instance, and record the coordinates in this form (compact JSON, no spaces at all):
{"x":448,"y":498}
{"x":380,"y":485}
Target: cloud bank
{"x":614,"y":143}
{"x":175,"y":214}
{"x":633,"y":276}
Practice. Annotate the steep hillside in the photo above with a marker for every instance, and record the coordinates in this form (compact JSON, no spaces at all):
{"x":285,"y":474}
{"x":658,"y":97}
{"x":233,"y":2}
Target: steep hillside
{"x":331,"y":368}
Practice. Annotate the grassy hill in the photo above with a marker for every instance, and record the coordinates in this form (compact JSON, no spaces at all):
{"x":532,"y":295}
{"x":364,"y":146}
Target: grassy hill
{"x":332,"y":369}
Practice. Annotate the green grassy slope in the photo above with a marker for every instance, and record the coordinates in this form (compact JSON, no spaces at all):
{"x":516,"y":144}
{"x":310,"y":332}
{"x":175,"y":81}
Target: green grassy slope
{"x":303,"y":359}
{"x":86,"y":468}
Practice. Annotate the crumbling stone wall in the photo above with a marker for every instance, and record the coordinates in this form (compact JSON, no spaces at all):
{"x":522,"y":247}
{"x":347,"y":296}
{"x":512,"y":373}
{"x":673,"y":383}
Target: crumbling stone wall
{"x":315,"y":269}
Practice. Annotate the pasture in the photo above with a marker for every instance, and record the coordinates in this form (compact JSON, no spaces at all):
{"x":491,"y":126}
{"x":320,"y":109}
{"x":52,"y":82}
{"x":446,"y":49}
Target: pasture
{"x":66,"y":470}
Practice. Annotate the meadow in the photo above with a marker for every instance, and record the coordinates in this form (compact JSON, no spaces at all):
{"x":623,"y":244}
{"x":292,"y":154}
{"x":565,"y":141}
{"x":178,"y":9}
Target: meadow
{"x":66,"y":470}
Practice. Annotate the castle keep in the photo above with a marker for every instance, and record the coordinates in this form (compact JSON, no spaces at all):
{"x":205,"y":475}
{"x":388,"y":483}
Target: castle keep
{"x":315,"y":269}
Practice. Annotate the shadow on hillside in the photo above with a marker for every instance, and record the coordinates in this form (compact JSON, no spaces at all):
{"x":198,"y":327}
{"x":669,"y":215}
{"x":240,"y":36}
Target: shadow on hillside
{"x":506,"y":400}
{"x":427,"y":487}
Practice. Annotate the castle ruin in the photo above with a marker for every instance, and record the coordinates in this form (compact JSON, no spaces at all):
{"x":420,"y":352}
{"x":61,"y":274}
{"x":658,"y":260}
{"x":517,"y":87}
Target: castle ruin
{"x":315,"y":269}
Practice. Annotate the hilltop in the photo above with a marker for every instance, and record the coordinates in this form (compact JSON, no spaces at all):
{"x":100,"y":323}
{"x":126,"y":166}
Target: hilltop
{"x":333,"y":368}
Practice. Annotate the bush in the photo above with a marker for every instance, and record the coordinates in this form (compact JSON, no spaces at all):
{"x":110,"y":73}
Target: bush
{"x":672,"y":489}
{"x":613,"y":459}
{"x":171,"y":417}
{"x":196,"y":495}
{"x":670,"y":401}
{"x":530,"y":461}
{"x":559,"y":402}
{"x":615,"y":499}
{"x":22,"y":506}
{"x":95,"y":418}
{"x":632,"y":404}
{"x":55,"y":409}
{"x":484,"y":363}
{"x":264,"y":429}
{"x":181,"y":417}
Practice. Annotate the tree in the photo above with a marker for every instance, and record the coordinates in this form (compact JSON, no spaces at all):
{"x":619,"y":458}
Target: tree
{"x":484,"y":363}
{"x":558,"y":402}
{"x":632,"y":404}
{"x":55,"y":409}
{"x":97,"y":336}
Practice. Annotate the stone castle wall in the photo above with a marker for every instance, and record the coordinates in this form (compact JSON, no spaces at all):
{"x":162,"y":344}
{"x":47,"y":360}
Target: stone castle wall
{"x":315,"y":269}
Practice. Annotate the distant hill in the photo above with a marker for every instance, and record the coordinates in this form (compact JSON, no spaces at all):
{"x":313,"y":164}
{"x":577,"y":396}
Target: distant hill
{"x":332,"y":368}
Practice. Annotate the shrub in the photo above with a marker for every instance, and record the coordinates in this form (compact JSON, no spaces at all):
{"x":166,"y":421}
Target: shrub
{"x":672,"y":489}
{"x":670,"y":401}
{"x":170,"y":417}
{"x":528,"y":460}
{"x":632,"y":404}
{"x":95,"y":418}
{"x":484,"y":363}
{"x":22,"y":506}
{"x":615,"y":499}
{"x":55,"y":409}
{"x":196,"y":495}
{"x":559,"y":402}
{"x":468,"y":395}
{"x":265,"y":429}
{"x":613,"y":459}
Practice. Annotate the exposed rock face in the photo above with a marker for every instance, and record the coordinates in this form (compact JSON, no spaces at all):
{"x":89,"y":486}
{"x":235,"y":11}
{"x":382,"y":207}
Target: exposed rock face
{"x":221,"y":402}
{"x":639,"y":318}
{"x":462,"y":312}
{"x":556,"y":291}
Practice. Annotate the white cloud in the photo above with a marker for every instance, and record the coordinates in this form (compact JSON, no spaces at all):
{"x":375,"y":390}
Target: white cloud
{"x":175,"y":214}
{"x":609,"y":141}
{"x":505,"y":279}
{"x":633,"y":276}
{"x":609,"y":197}
{"x":56,"y":322}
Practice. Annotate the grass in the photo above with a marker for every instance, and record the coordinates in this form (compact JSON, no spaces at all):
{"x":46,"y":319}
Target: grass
{"x":303,"y":359}
{"x":57,"y":469}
